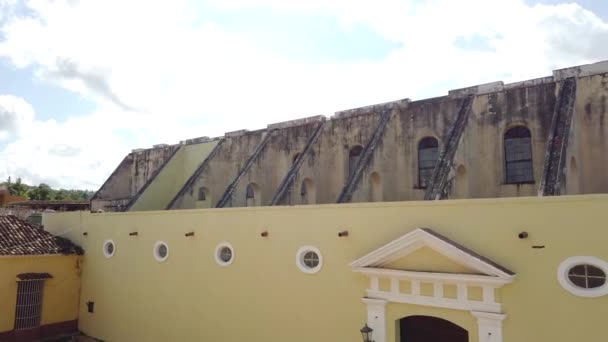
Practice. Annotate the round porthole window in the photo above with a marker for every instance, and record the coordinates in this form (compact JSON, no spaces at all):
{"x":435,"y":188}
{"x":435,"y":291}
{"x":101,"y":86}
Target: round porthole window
{"x":309,"y":259}
{"x":584,"y":276}
{"x":109,"y":248}
{"x":161,"y":251}
{"x":224,"y":254}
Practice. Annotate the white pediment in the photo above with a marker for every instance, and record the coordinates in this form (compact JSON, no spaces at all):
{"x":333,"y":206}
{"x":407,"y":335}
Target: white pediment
{"x":380,"y":259}
{"x":480,"y":272}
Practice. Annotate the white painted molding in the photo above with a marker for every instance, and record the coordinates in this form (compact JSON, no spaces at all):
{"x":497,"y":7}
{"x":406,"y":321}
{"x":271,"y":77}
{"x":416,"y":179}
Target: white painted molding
{"x":300,"y":259}
{"x":105,"y":248}
{"x":376,"y":317}
{"x":446,"y":303}
{"x":218,"y":251}
{"x":419,"y":238}
{"x":564,"y":281}
{"x":449,"y":278}
{"x":489,"y":326}
{"x":155,"y":251}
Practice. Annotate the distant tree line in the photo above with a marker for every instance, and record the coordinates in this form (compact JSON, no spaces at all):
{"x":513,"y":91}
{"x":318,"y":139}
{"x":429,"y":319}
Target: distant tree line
{"x":44,"y":192}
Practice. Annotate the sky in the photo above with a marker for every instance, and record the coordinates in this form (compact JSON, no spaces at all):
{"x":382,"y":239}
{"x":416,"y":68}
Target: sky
{"x":83,"y":82}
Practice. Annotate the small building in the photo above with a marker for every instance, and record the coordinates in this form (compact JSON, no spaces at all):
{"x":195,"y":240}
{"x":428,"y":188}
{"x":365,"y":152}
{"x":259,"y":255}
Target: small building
{"x":6,"y":197}
{"x":39,"y":282}
{"x":69,"y":205}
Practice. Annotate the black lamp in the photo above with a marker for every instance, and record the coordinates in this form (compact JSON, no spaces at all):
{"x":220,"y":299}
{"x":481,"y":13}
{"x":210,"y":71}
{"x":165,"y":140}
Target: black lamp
{"x":366,"y":332}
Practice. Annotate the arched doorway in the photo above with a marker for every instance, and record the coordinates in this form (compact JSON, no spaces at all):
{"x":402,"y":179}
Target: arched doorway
{"x":430,"y":329}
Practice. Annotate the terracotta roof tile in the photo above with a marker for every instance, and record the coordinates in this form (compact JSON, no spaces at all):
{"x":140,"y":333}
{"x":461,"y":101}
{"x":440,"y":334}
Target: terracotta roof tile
{"x":19,"y":237}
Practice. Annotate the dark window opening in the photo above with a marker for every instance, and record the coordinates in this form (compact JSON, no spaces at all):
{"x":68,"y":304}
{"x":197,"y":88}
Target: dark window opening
{"x":428,"y":154}
{"x":427,"y":328}
{"x":303,"y":189}
{"x":250,"y":192}
{"x":225,"y":254}
{"x":518,"y":156}
{"x":202,"y":194}
{"x":353,"y":158}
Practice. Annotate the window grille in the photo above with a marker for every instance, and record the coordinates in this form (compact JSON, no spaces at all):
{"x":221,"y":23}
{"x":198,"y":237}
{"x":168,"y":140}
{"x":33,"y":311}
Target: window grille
{"x":29,"y":304}
{"x":587,"y":276}
{"x":518,"y":156}
{"x":311,"y":259}
{"x":428,"y":154}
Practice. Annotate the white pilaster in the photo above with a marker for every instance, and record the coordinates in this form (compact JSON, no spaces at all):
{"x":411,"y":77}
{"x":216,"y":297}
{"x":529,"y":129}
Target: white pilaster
{"x":376,"y":317}
{"x":489,"y":326}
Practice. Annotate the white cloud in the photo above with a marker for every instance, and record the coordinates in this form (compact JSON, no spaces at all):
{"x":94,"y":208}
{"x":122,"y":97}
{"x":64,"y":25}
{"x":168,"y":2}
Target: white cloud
{"x":159,"y":74}
{"x":15,"y":115}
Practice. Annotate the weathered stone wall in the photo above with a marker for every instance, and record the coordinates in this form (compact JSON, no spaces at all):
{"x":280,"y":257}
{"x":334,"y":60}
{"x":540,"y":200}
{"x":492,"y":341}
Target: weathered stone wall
{"x":222,"y":169}
{"x":130,"y":176}
{"x":588,"y":162}
{"x":392,"y":173}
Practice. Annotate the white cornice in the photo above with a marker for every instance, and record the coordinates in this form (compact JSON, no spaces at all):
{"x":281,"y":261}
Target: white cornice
{"x":448,"y":278}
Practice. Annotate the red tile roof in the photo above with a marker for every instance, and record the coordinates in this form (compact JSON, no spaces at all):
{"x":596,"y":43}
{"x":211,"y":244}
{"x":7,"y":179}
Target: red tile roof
{"x":19,"y":237}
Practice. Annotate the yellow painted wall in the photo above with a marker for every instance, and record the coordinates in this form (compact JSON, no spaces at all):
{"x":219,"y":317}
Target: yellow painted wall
{"x":426,"y":259}
{"x":263,"y":296}
{"x":173,"y":176}
{"x":61,"y":294}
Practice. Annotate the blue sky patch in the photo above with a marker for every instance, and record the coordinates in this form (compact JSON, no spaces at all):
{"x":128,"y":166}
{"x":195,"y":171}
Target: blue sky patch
{"x":49,"y":101}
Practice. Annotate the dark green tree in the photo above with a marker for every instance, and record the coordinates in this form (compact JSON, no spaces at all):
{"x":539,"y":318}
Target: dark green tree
{"x":42,"y":193}
{"x":18,"y":188}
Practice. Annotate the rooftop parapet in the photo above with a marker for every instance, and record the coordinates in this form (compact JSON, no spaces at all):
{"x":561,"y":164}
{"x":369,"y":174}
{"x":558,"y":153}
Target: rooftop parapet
{"x":476,"y":89}
{"x":193,"y":141}
{"x":236,"y":133}
{"x":297,"y":122}
{"x":581,"y":70}
{"x":530,"y":83}
{"x":370,"y":109}
{"x":559,"y":74}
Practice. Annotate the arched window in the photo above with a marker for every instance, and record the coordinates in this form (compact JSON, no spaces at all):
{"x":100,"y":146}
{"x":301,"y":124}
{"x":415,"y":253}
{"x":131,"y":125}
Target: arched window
{"x":252,"y":195}
{"x":518,"y":156}
{"x":202,"y":193}
{"x":428,"y":153}
{"x":353,"y":158}
{"x":204,"y":198}
{"x":250,"y":192}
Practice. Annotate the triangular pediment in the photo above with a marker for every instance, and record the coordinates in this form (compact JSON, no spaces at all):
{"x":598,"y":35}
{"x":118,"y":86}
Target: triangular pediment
{"x":426,"y":259}
{"x":424,"y":250}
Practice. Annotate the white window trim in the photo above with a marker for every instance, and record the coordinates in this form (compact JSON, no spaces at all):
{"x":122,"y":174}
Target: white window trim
{"x":217,"y":254}
{"x":105,"y":252}
{"x":300,"y":259}
{"x":564,"y":281}
{"x":155,"y":251}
